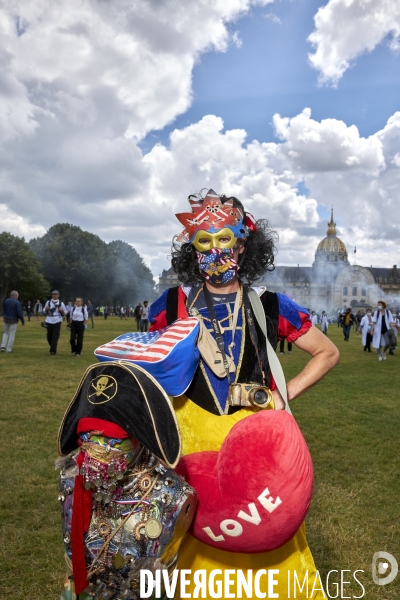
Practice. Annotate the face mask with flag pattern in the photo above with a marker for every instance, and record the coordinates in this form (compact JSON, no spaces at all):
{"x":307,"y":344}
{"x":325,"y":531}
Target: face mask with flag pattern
{"x":217,"y":265}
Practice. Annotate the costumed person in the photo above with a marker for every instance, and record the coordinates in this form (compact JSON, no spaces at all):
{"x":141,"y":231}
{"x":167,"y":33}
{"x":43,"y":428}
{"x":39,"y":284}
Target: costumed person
{"x":381,"y":328}
{"x":365,"y":330}
{"x":248,"y":463}
{"x":123,"y":507}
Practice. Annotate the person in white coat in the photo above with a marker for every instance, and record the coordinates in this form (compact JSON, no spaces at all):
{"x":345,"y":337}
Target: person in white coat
{"x":365,"y":330}
{"x":324,"y":323}
{"x":395,"y":326}
{"x":381,"y":325}
{"x":314,"y":319}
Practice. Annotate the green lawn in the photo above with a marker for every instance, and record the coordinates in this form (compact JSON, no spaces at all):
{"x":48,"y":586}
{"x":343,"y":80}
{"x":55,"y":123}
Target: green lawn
{"x":350,"y":421}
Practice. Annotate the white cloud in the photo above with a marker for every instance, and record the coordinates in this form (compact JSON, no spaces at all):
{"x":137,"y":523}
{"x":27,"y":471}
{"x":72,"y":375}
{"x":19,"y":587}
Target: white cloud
{"x":326,"y":146}
{"x":17,"y":225}
{"x":365,"y":199}
{"x":273,"y":18}
{"x":396,"y":159}
{"x":345,"y":29}
{"x":203,"y":155}
{"x":358,"y":176}
{"x":137,"y":58}
{"x":82,"y":82}
{"x":364,"y":192}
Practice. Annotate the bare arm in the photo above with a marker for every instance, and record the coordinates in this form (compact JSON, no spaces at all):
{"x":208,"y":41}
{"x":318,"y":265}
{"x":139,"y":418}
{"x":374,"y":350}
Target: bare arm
{"x":324,"y":356}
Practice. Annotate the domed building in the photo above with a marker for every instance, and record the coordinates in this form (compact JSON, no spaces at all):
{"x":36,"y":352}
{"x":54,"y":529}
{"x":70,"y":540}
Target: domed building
{"x":331,"y":249}
{"x":331,"y":283}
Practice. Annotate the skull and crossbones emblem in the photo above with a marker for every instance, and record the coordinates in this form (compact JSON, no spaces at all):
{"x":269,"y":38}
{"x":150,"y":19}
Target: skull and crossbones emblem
{"x":100,"y":384}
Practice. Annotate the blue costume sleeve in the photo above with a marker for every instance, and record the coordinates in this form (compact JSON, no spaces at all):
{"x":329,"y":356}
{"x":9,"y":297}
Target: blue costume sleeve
{"x":158,"y":306}
{"x":294,"y":320}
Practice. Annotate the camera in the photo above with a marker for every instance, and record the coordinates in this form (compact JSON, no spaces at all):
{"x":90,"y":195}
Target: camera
{"x":250,"y":394}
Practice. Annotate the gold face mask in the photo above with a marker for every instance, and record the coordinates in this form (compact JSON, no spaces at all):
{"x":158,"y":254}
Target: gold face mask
{"x":204,"y":240}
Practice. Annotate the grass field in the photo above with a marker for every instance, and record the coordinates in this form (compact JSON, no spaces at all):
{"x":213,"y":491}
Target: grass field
{"x":350,"y":421}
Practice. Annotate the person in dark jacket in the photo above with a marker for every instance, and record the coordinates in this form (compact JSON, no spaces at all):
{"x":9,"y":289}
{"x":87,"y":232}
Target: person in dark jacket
{"x":348,"y":321}
{"x":90,"y":309}
{"x":137,"y":313}
{"x":29,"y":310}
{"x":12,"y":313}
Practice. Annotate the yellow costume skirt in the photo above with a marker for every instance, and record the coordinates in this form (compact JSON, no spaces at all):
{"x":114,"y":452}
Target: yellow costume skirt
{"x":201,"y":430}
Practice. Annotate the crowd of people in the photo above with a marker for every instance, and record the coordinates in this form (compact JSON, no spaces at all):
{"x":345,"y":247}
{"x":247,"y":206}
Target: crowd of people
{"x":379,"y":327}
{"x":140,"y":313}
{"x":55,"y":312}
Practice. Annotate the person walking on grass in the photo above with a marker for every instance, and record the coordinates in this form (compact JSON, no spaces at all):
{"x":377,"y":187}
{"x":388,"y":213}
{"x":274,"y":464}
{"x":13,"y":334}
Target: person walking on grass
{"x":365,"y":330}
{"x":12,"y":313}
{"x":68,"y":310}
{"x":78,"y":321}
{"x":54,"y":310}
{"x":324,"y":323}
{"x":144,"y":316}
{"x":282,"y":347}
{"x":348,"y":321}
{"x":90,"y":310}
{"x":396,"y":325}
{"x":381,"y":328}
{"x":29,"y":310}
{"x":38,"y":309}
{"x":137,"y":311}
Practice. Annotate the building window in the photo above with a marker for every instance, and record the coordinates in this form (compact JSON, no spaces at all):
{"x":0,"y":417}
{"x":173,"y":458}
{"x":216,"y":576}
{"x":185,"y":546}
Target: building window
{"x":354,"y":291}
{"x":345,"y":291}
{"x":363,"y":291}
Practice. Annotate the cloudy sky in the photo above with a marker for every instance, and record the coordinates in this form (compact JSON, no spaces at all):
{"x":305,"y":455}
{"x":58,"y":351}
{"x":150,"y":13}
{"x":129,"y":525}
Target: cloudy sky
{"x":111,"y":113}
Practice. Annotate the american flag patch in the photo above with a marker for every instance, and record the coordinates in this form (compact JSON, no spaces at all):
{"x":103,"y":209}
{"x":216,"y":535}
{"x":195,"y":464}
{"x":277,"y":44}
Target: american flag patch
{"x":150,"y":347}
{"x":170,"y":355}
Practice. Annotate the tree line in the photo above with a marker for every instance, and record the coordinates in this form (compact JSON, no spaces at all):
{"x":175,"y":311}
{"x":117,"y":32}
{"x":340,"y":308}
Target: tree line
{"x":75,"y":262}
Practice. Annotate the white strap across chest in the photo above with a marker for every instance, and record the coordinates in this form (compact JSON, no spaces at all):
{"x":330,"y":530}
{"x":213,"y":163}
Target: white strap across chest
{"x":273,"y":360}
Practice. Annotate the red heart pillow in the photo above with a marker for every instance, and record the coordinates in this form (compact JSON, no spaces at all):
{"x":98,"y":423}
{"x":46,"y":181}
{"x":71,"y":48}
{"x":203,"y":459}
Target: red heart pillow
{"x":254,"y":493}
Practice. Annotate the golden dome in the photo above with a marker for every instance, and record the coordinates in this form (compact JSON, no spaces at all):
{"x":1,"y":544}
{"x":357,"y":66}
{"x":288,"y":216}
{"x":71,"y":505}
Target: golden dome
{"x":331,"y":245}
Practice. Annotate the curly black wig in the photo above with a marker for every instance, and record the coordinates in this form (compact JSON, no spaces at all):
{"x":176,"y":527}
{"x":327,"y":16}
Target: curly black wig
{"x":254,"y":262}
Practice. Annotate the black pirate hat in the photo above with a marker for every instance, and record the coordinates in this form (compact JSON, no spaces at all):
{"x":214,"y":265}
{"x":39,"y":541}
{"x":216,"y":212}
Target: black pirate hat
{"x":127,"y":395}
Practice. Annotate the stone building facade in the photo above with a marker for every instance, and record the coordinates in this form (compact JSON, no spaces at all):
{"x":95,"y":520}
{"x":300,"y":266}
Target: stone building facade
{"x":331,"y":283}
